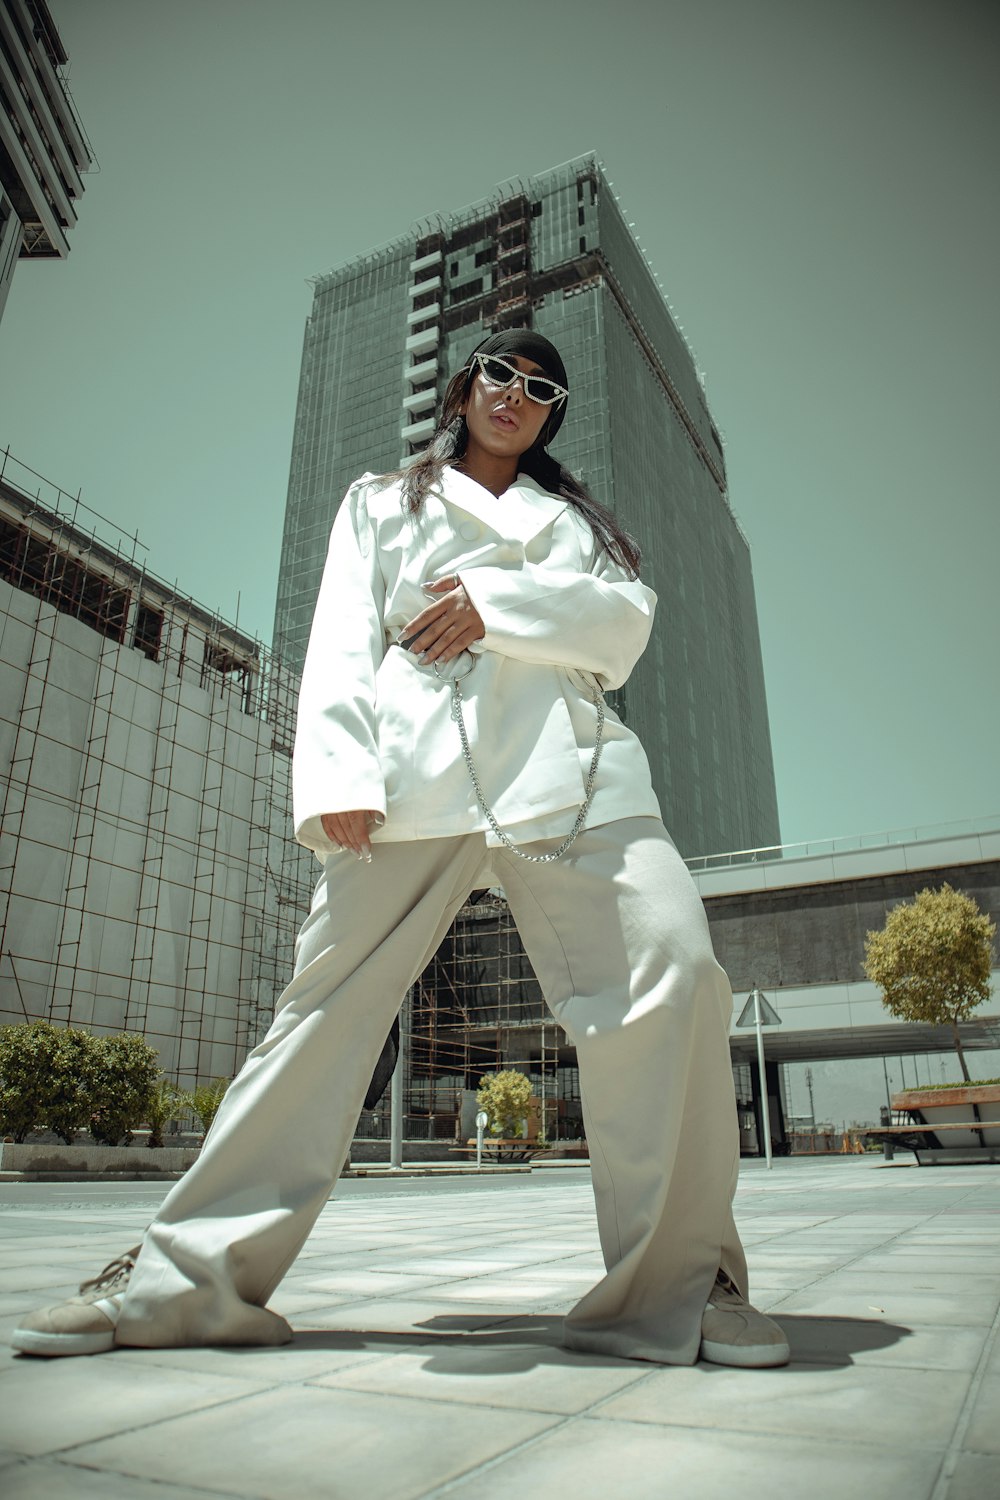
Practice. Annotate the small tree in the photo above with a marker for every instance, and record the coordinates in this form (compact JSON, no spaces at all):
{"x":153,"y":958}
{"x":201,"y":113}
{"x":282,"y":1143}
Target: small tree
{"x":504,"y":1096}
{"x":167,"y":1102}
{"x":204,"y":1101}
{"x":44,"y":1079}
{"x":124,"y":1074}
{"x":932,"y":960}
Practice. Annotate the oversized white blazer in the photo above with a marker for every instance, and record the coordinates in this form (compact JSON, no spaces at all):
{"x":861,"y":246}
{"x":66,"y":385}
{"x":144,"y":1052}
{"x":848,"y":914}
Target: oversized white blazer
{"x":376,"y":727}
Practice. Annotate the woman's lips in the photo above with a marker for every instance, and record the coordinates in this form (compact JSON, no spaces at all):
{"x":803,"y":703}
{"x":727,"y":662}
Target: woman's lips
{"x":503,"y":419}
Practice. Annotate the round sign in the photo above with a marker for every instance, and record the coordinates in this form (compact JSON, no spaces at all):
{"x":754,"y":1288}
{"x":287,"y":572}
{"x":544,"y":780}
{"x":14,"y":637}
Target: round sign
{"x":482,"y":1120}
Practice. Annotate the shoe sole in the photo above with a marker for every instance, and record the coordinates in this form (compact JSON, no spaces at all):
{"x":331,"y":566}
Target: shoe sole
{"x":54,"y":1345}
{"x":745,"y":1356}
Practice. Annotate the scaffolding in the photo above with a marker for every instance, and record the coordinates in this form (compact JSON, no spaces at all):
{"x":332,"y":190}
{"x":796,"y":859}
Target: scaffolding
{"x":475,"y":1009}
{"x":148,"y":881}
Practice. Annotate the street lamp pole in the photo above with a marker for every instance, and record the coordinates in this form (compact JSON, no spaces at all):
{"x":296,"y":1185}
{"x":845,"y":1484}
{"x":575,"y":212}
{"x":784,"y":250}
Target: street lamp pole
{"x":765,"y":1109}
{"x":398,"y":1085}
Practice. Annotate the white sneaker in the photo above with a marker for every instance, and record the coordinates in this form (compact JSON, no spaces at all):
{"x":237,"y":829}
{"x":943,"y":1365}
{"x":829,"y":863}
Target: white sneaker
{"x":86,"y":1323}
{"x":734,"y":1333}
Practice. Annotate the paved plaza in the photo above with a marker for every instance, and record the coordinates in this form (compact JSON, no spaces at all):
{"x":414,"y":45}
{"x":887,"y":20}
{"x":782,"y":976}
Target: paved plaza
{"x":427,"y":1360}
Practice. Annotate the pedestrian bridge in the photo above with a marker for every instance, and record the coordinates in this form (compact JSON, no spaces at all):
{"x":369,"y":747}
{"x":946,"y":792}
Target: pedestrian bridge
{"x":792,"y":920}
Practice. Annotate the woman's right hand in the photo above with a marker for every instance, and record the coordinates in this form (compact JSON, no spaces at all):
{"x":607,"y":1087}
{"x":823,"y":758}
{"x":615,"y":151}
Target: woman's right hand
{"x":349,"y":830}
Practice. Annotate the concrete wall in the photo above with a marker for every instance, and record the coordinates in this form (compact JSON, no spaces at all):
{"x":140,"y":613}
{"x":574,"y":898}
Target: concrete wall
{"x":146,"y":878}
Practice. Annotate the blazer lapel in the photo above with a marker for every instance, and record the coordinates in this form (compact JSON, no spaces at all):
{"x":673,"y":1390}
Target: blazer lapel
{"x":519,"y":514}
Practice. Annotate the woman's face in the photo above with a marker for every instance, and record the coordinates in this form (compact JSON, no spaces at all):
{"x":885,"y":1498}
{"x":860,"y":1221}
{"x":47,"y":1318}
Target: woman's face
{"x":503,"y":421}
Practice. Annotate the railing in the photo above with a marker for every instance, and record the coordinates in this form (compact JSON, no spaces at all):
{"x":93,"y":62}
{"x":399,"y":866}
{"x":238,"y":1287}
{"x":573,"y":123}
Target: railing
{"x":849,"y":844}
{"x":377,"y":1126}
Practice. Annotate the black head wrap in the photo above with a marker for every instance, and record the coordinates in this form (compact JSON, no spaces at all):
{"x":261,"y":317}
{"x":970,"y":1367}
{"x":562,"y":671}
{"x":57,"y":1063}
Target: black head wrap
{"x":530,"y":345}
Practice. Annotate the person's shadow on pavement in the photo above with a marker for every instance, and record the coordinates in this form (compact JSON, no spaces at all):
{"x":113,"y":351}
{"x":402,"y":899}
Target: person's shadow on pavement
{"x":451,"y":1342}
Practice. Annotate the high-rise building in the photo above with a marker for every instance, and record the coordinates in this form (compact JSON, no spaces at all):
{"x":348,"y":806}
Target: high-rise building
{"x":555,"y":253}
{"x":43,"y":149}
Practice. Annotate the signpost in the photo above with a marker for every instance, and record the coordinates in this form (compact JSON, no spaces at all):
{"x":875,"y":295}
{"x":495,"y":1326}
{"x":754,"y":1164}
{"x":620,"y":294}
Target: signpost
{"x":758,"y":1013}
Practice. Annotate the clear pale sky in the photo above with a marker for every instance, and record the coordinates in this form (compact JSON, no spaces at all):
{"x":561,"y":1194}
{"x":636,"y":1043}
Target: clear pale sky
{"x":815,"y":184}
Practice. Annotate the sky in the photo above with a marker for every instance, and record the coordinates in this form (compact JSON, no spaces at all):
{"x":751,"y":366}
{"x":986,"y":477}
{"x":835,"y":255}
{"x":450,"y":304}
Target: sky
{"x":815,"y":184}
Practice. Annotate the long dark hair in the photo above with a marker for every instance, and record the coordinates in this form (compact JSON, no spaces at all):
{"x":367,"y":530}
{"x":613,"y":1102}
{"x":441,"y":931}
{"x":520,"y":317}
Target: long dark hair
{"x":448,"y":444}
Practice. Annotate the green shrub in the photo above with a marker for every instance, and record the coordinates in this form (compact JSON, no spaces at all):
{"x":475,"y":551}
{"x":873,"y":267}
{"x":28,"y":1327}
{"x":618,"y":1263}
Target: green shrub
{"x":167,"y":1102}
{"x":123,"y":1080}
{"x":45,"y":1075}
{"x":204,"y":1101}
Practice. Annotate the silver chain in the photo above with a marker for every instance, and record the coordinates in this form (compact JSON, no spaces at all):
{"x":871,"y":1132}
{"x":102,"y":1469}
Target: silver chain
{"x":581,"y":817}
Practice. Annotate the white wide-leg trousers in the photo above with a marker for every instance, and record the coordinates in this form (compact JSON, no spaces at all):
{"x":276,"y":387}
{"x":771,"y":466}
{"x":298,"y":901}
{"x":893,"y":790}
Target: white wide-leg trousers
{"x":618,"y":938}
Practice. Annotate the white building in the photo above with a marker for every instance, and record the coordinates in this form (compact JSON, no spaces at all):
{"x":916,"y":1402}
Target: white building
{"x":147,"y":878}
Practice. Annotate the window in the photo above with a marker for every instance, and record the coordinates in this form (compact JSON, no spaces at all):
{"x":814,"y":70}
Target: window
{"x":148,"y":630}
{"x":467,"y":289}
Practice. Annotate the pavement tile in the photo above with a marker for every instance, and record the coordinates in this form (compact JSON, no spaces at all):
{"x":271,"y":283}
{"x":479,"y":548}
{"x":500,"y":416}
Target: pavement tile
{"x":468,"y":1265}
{"x":915,"y":1407}
{"x":345,"y":1444}
{"x":604,"y":1460}
{"x":52,"y":1404}
{"x":309,"y":1355}
{"x":400,"y":1315}
{"x":983,"y":1432}
{"x":471,"y":1332}
{"x":862,"y":1277}
{"x":50,"y":1479}
{"x":899,"y":1307}
{"x":373,"y":1282}
{"x":957,"y":1265}
{"x":40,"y":1277}
{"x":976,"y":1477}
{"x":483,"y":1289}
{"x":296,"y":1305}
{"x":491,"y":1371}
{"x":836,"y":1341}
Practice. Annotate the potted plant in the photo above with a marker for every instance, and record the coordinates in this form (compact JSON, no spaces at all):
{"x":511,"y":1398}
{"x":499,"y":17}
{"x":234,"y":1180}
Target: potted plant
{"x":506,"y":1098}
{"x":932,"y":962}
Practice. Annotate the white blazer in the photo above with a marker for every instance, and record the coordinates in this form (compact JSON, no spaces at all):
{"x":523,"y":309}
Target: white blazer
{"x":375,"y":727}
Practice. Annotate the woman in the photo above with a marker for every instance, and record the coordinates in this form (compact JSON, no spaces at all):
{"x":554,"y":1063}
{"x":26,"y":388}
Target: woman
{"x":452,"y":735}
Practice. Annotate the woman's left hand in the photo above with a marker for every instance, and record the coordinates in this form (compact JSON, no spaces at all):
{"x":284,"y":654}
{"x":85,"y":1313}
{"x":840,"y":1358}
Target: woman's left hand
{"x":446,"y":627}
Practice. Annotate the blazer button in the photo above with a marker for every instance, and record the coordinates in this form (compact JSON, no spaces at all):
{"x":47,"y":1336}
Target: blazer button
{"x":469,"y":530}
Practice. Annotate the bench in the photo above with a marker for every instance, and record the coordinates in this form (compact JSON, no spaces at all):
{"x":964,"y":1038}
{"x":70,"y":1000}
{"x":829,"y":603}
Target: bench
{"x":921,"y":1139}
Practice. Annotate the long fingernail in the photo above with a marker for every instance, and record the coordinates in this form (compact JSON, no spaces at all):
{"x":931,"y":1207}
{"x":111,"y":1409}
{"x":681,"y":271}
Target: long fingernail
{"x":367,"y":856}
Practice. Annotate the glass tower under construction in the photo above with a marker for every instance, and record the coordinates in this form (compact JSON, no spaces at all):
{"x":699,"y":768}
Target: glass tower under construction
{"x":385,"y":334}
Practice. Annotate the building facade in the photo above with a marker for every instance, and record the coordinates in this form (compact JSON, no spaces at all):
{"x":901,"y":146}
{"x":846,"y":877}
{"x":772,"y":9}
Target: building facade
{"x":388,"y":330}
{"x":43,"y":148}
{"x":148,"y":881}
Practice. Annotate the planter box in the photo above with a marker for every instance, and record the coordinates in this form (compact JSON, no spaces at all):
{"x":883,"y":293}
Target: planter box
{"x":953,"y":1106}
{"x":80,"y":1160}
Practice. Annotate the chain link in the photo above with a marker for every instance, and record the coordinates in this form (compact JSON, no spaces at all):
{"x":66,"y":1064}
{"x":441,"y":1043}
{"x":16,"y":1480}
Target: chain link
{"x":581,"y":817}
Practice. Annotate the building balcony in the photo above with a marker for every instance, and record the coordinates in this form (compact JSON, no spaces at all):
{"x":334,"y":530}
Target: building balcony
{"x":433,"y":259}
{"x":417,"y":374}
{"x":417,"y":431}
{"x":420,"y":401}
{"x":424,"y":314}
{"x":427,"y":338}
